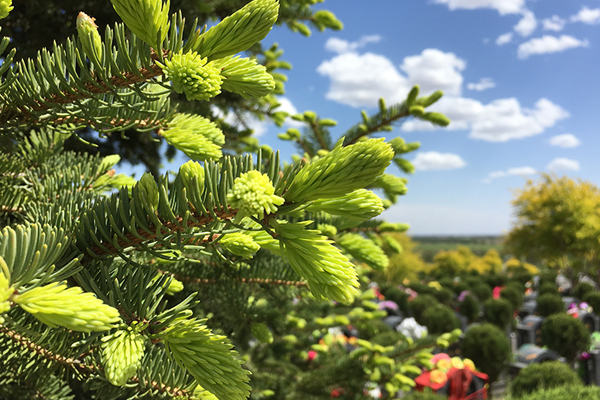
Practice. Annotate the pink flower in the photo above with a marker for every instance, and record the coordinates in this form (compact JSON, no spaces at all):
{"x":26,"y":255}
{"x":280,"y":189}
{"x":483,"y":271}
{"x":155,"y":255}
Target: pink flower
{"x":496,"y":292}
{"x":312,"y":355}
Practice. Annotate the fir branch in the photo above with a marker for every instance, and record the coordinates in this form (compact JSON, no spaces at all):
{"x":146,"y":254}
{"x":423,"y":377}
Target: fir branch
{"x":260,"y":281}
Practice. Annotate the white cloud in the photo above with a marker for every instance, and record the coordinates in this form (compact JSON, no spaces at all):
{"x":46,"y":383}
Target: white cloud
{"x":483,"y":84}
{"x":520,"y":171}
{"x":344,"y":46}
{"x":499,"y":121}
{"x":565,"y":140}
{"x":504,"y":39}
{"x":286,"y":105}
{"x":527,"y":24}
{"x":555,"y":23}
{"x":435,"y":70}
{"x":432,"y":160}
{"x":247,"y":120}
{"x":563,"y":164}
{"x":549,"y":44}
{"x":361,"y":79}
{"x":502,"y":6}
{"x":587,"y":15}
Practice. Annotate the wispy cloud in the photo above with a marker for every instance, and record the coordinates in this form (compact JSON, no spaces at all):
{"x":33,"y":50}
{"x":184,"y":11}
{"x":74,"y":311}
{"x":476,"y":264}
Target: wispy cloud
{"x":549,"y":44}
{"x":563,"y":164}
{"x":586,"y":15}
{"x":343,"y":46}
{"x":432,"y":160}
{"x":483,"y":84}
{"x":555,"y":23}
{"x":504,"y":39}
{"x":526,"y":24}
{"x":502,"y":6}
{"x":519,"y":171}
{"x":565,"y":140}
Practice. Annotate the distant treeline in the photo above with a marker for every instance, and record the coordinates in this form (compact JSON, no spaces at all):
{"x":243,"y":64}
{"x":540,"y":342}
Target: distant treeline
{"x":429,"y":246}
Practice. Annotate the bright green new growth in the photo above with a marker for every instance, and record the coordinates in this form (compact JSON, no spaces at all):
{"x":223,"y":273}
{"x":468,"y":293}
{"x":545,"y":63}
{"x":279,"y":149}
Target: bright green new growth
{"x":5,"y":289}
{"x":196,"y":136}
{"x":147,"y":19}
{"x":122,"y":354}
{"x":192,"y":176}
{"x":239,"y":31}
{"x":261,"y":332}
{"x":359,"y":205}
{"x":329,"y":273}
{"x":245,"y":77}
{"x":392,"y":185}
{"x":342,"y":171}
{"x":364,"y":250}
{"x":5,"y":8}
{"x":239,"y":244}
{"x":175,"y":286}
{"x":208,"y":357}
{"x":193,"y":76}
{"x":89,"y":37}
{"x":56,"y":305}
{"x":253,"y":194}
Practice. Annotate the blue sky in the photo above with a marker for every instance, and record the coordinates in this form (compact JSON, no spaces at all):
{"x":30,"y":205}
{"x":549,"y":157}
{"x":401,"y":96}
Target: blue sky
{"x":520,"y":81}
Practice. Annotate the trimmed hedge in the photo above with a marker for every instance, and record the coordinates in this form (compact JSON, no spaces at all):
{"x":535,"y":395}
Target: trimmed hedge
{"x":547,"y":287}
{"x":444,"y":296}
{"x":566,"y":393}
{"x":581,"y":289}
{"x":440,"y":319}
{"x":482,"y":291}
{"x":513,"y":295}
{"x":421,"y":303}
{"x":546,"y":375}
{"x":548,"y":304}
{"x":488,"y":347}
{"x":469,"y":307}
{"x":565,"y":335}
{"x":593,"y":299}
{"x":498,"y":312}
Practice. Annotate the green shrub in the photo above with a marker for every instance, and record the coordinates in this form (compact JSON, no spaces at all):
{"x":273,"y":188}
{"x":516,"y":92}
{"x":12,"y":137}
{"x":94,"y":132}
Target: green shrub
{"x":498,"y":312}
{"x":482,"y":291}
{"x":566,"y":393}
{"x":581,"y":289}
{"x":488,"y":347}
{"x":546,"y":375}
{"x":396,"y":295}
{"x":424,"y":396}
{"x":422,"y":289}
{"x":387,"y":338}
{"x":469,"y":307}
{"x":593,"y":299}
{"x":548,"y":277}
{"x":518,"y":286}
{"x":369,"y":329}
{"x":420,"y":304}
{"x":513,"y":295}
{"x":440,"y":319}
{"x":522,"y":276}
{"x":473,"y":280}
{"x":460,"y":287}
{"x":447,"y":282}
{"x":496,"y":280}
{"x":565,"y":335}
{"x":548,"y":287}
{"x":548,"y":304}
{"x":444,"y":296}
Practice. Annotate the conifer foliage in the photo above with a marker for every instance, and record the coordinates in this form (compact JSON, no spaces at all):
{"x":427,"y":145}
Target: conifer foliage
{"x":112,"y":287}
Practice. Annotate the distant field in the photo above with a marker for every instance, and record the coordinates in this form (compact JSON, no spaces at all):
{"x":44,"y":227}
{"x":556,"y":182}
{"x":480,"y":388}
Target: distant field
{"x":429,"y":246}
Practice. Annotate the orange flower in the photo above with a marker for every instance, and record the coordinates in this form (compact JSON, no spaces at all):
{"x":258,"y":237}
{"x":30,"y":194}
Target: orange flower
{"x":438,"y":376}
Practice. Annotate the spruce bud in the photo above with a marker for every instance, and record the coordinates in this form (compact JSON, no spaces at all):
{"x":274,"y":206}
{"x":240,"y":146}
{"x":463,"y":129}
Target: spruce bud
{"x":327,"y":19}
{"x":197,"y":137}
{"x":245,"y":77}
{"x":393,"y":227}
{"x":239,"y":244}
{"x":56,"y":305}
{"x":261,"y":332}
{"x":412,"y":95}
{"x":329,"y":273}
{"x":364,"y":250}
{"x":393,"y":244}
{"x":359,"y":205}
{"x":89,"y":37}
{"x":436,"y":118}
{"x":342,"y":171}
{"x":193,"y":76}
{"x":192,"y":175}
{"x":427,"y":101}
{"x":5,"y":289}
{"x":239,"y":31}
{"x":253,"y":194}
{"x":5,"y":8}
{"x":122,"y":354}
{"x":147,"y":19}
{"x":149,"y":191}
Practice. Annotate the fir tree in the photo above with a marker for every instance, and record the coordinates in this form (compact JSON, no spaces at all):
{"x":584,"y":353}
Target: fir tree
{"x":114,"y":288}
